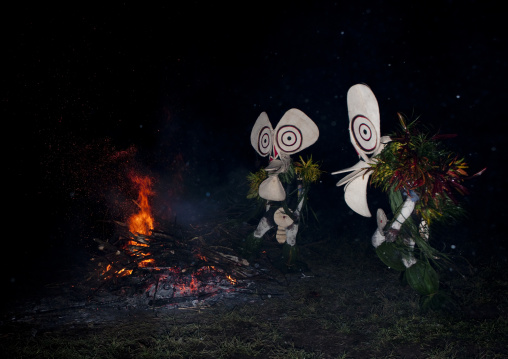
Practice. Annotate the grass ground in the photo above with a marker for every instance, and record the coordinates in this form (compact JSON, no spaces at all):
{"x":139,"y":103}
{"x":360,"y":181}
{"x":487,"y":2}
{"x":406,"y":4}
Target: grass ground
{"x":344,"y":304}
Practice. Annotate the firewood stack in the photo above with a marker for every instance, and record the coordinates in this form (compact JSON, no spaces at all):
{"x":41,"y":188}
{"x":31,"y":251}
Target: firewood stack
{"x":128,"y":254}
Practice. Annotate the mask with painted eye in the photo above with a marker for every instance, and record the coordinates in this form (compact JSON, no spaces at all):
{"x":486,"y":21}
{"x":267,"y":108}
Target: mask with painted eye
{"x":365,"y":135}
{"x":294,"y":132}
{"x":364,"y":121}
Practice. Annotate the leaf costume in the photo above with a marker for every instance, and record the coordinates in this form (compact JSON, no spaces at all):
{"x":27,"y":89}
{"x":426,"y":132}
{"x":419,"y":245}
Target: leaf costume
{"x":422,"y":180}
{"x":294,"y":132}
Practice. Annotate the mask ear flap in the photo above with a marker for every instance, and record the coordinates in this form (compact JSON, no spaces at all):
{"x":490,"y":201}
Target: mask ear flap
{"x":295,"y":132}
{"x":356,"y":195}
{"x":261,"y":135}
{"x":364,"y":120}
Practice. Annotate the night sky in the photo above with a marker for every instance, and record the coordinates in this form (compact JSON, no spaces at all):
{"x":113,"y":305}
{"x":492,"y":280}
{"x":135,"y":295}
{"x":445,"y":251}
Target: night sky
{"x":172,"y":91}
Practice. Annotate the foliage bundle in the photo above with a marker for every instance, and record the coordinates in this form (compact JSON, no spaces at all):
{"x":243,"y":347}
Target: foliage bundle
{"x":416,"y":161}
{"x":416,"y":164}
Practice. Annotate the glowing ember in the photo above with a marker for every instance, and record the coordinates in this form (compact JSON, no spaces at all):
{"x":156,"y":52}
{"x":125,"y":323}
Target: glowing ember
{"x":142,"y":222}
{"x":231,"y":279}
{"x":124,"y":272}
{"x":146,"y":262}
{"x":174,"y":283}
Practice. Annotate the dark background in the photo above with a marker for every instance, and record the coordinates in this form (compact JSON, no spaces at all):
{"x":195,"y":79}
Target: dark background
{"x":90,"y":94}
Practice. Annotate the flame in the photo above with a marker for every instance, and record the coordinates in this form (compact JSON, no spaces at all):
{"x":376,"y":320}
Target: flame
{"x":142,"y":222}
{"x":230,"y":279}
{"x":146,"y":262}
{"x":124,"y":272}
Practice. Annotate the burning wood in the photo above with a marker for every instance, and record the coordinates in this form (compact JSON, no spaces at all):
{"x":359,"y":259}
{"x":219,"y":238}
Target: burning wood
{"x":169,"y":269}
{"x":164,"y":249}
{"x":163,"y":266}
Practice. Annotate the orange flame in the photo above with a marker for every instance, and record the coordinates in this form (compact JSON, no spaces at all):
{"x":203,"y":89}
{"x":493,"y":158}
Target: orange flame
{"x":142,"y":222}
{"x":146,"y":262}
{"x":230,"y":279}
{"x":124,"y":272}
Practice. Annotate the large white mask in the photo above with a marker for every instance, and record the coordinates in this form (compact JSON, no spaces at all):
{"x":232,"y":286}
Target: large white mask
{"x":294,"y":132}
{"x":365,"y":134}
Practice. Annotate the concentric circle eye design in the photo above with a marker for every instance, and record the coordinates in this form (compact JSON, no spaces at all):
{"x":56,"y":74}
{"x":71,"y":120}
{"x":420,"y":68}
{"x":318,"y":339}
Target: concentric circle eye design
{"x":289,"y":138}
{"x":364,"y":133}
{"x":265,"y":141}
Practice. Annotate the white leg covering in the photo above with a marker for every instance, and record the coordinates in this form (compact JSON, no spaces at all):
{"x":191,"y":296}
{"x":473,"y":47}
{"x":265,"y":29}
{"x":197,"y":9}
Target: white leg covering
{"x":405,"y":212}
{"x":379,"y":237}
{"x":263,"y":227}
{"x":291,"y":233}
